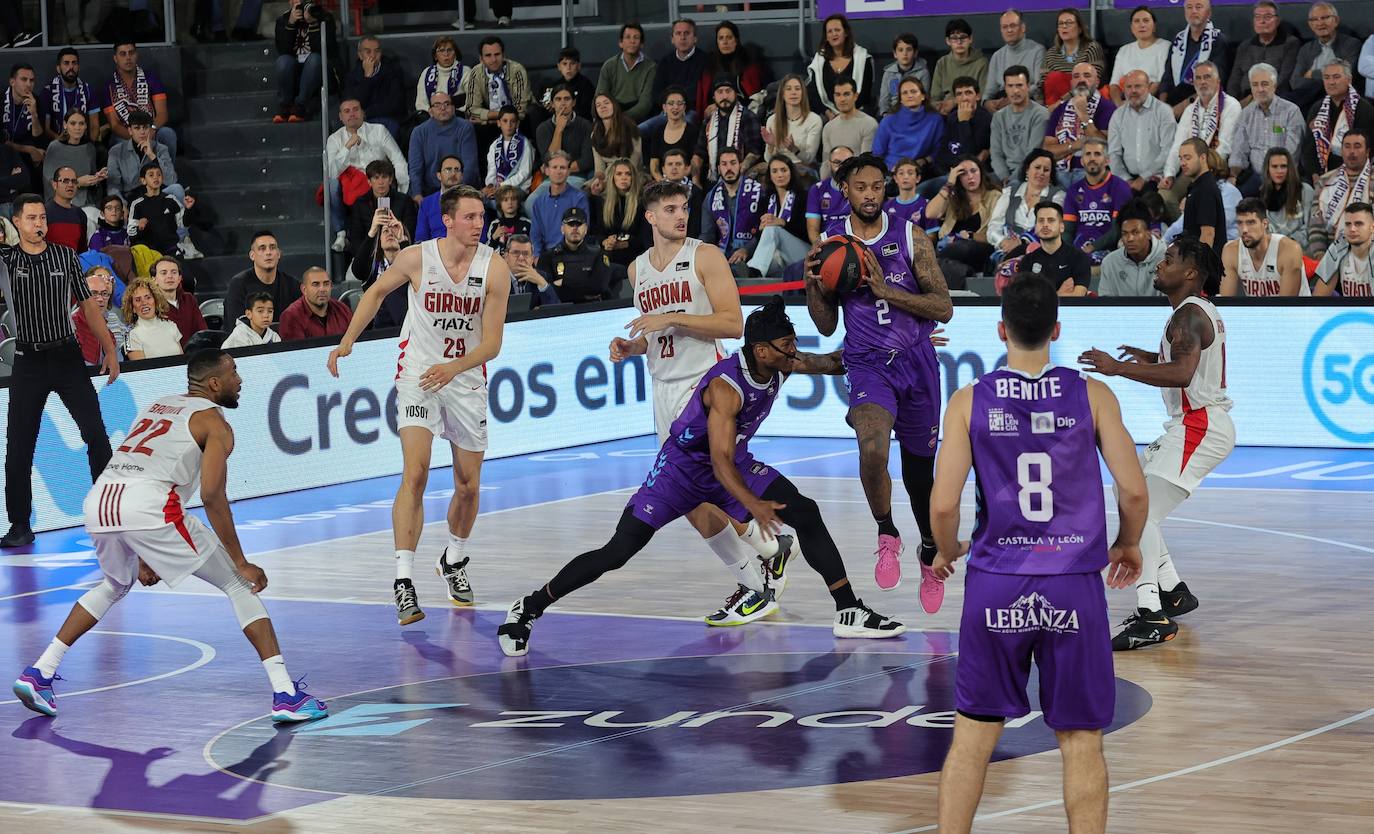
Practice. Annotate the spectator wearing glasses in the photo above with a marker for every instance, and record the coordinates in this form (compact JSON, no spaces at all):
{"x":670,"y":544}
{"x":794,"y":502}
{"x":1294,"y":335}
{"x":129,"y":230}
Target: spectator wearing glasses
{"x":1071,"y":47}
{"x":1272,"y":44}
{"x":1017,"y":51}
{"x":445,"y":73}
{"x":675,"y":132}
{"x":101,"y":283}
{"x":66,"y":222}
{"x":439,"y":136}
{"x":524,"y":277}
{"x":1328,"y":46}
{"x":964,"y":60}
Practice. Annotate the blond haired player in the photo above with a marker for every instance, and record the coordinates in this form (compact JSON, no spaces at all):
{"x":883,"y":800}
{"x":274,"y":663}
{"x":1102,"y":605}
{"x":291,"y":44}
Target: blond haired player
{"x":1190,"y":371}
{"x":688,"y":302}
{"x":136,"y":516}
{"x":458,"y":294}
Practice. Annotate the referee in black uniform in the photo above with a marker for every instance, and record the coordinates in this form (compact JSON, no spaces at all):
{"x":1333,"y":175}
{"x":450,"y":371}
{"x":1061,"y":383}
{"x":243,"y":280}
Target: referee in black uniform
{"x":40,"y":281}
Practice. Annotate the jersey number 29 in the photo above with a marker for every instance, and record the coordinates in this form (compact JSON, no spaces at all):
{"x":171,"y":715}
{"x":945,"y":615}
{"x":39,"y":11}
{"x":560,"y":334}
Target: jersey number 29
{"x":1033,"y":477}
{"x":454,"y":348}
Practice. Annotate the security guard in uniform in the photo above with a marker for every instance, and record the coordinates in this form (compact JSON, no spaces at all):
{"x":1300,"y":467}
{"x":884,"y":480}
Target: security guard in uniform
{"x":577,"y":268}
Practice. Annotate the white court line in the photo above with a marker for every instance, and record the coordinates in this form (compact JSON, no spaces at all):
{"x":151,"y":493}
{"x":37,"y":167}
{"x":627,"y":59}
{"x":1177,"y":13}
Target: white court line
{"x":207,"y":654}
{"x":1234,"y":757}
{"x":50,"y":590}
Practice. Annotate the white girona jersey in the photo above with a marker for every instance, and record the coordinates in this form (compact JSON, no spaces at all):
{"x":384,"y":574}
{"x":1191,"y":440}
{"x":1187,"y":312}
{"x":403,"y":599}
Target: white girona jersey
{"x":1208,"y":386}
{"x":444,"y":320}
{"x":153,"y":473}
{"x":673,"y":354}
{"x":1263,"y":281}
{"x":1356,"y":276}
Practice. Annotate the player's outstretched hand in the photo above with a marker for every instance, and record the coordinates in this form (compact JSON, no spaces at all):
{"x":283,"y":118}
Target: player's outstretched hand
{"x":334,"y":356}
{"x":1135,"y":354}
{"x":254,"y":576}
{"x":651,"y":323}
{"x":1123,"y":565}
{"x":1100,"y":362}
{"x":438,"y":376}
{"x":936,"y":339}
{"x":944,"y":562}
{"x":766,"y":514}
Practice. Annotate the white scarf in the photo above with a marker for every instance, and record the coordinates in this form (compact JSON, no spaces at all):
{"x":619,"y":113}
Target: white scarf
{"x":731,"y":132}
{"x":1206,"y":122}
{"x":1343,"y":193}
{"x":431,"y":79}
{"x":508,"y":154}
{"x":1184,"y":74}
{"x":498,"y":94}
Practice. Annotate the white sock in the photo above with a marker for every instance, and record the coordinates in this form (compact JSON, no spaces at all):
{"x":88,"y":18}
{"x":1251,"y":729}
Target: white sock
{"x":276,"y":673}
{"x":405,"y":563}
{"x":753,"y":536}
{"x":742,"y":563}
{"x":456,"y":550}
{"x":1147,"y":596}
{"x":52,"y":655}
{"x":1168,"y":575}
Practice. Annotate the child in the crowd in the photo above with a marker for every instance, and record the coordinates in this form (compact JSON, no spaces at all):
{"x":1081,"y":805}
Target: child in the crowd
{"x":907,"y":204}
{"x":510,"y":159}
{"x":156,"y":219}
{"x":110,"y":228}
{"x":254,"y":327}
{"x":151,"y":333}
{"x":508,"y":220}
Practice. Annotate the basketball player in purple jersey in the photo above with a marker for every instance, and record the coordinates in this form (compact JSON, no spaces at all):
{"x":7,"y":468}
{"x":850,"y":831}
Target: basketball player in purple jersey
{"x":1190,"y":371}
{"x":894,"y":377}
{"x":706,"y":460}
{"x":1031,"y":432}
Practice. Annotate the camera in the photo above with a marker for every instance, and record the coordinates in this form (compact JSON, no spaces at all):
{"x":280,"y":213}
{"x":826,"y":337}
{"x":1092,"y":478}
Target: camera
{"x":315,"y":10}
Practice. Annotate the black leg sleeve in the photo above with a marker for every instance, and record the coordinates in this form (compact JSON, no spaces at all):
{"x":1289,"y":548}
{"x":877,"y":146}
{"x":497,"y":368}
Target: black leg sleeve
{"x":918,"y":476}
{"x":802,"y":514}
{"x":631,"y":535}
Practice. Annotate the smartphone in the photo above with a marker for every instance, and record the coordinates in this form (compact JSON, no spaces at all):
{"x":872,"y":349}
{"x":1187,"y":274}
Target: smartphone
{"x":384,"y":203}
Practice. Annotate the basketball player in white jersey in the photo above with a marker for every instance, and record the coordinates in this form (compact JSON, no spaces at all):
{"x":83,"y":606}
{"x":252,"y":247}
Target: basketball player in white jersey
{"x":1347,"y":268}
{"x":688,"y":302}
{"x":1261,"y":264}
{"x":1190,"y":370}
{"x":135,"y":511}
{"x":458,"y":294}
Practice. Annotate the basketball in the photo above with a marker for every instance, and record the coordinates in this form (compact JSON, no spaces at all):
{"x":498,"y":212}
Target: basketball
{"x":842,"y":263}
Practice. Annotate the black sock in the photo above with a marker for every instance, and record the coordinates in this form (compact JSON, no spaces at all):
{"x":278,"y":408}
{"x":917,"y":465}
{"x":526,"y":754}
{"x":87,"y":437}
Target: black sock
{"x":886,"y":527}
{"x":844,"y":597}
{"x":536,"y":602}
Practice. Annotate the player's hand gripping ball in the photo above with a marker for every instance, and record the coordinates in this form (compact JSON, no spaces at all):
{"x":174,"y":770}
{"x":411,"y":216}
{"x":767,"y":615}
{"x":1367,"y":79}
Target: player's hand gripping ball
{"x":842,"y":267}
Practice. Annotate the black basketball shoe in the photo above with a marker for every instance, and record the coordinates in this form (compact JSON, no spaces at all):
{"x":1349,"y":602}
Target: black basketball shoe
{"x":514,"y":634}
{"x":1144,"y":628}
{"x":1179,"y":601}
{"x":407,"y":602}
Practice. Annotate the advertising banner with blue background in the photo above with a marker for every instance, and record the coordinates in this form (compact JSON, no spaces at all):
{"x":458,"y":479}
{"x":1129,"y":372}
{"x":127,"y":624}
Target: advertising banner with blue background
{"x":1300,"y":376}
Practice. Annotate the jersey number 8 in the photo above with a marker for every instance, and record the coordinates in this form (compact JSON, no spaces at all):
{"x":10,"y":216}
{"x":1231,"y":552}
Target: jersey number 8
{"x":1031,"y":487}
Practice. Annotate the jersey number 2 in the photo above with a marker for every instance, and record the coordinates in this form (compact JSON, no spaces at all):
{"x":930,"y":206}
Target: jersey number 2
{"x":881,"y":305}
{"x":454,"y":348}
{"x":153,"y":429}
{"x":1033,"y":485}
{"x":665,"y":347}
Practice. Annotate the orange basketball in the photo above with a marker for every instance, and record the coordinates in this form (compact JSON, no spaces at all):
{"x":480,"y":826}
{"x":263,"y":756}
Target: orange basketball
{"x":842,"y":263}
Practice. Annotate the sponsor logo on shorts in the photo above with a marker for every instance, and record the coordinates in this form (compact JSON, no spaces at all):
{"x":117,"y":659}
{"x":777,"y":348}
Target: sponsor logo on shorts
{"x":1003,"y":424}
{"x":418,"y":412}
{"x":1042,"y":422}
{"x":759,"y":469}
{"x":1032,"y":612}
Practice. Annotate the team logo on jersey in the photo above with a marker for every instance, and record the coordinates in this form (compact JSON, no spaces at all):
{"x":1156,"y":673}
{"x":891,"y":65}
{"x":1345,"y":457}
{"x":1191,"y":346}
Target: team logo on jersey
{"x":1042,"y":422}
{"x":1031,"y":612}
{"x":1002,"y":424}
{"x":890,"y":249}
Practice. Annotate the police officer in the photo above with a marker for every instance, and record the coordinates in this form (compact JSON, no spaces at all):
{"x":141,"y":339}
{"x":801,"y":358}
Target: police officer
{"x":577,"y":268}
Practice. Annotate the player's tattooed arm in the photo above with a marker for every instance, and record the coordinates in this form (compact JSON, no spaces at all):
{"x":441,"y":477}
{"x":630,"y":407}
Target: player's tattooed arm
{"x":1189,"y":332}
{"x":932,"y":302}
{"x":828,"y":364}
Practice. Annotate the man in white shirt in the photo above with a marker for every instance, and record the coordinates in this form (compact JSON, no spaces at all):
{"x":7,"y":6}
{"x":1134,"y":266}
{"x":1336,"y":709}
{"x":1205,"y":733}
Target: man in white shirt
{"x":354,"y":145}
{"x":1140,"y":133}
{"x":1212,"y":117}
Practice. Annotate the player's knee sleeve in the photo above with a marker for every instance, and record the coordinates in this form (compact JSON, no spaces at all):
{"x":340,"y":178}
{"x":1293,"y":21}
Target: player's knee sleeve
{"x":918,"y":476}
{"x":247,"y":607}
{"x":98,"y":600}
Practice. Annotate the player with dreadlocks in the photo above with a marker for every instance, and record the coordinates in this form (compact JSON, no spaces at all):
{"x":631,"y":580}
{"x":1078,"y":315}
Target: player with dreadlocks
{"x":706,"y":460}
{"x":1190,"y":370}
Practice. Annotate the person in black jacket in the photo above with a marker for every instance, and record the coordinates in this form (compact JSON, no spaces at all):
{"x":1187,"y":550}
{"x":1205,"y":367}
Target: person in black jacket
{"x":618,"y":224}
{"x":578,"y":269}
{"x":676,"y":167}
{"x":569,"y":74}
{"x":14,"y":177}
{"x":391,"y":239}
{"x":376,"y":82}
{"x":367,"y":215}
{"x":681,"y":67}
{"x":299,"y":69}
{"x":783,"y":239}
{"x":968,"y":128}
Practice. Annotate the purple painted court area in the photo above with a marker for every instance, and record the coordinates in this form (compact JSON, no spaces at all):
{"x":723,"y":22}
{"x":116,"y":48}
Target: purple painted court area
{"x":437,"y":697}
